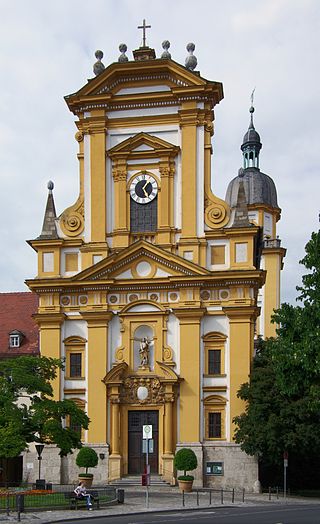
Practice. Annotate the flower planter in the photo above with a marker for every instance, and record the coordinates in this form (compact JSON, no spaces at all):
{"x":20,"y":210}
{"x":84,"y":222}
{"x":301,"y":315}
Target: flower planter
{"x":86,"y":481}
{"x":185,"y":485}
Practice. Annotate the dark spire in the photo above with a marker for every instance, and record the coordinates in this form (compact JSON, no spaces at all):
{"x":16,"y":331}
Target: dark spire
{"x":251,"y":144}
{"x":49,"y":229}
{"x":241,"y":218}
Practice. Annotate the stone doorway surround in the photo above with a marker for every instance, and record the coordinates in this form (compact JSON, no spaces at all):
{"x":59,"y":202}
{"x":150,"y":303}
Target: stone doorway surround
{"x":122,"y":392}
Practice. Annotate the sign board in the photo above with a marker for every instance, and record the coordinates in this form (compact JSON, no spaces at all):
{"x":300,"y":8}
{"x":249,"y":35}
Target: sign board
{"x":147,"y":444}
{"x":285,"y":463}
{"x":147,"y":431}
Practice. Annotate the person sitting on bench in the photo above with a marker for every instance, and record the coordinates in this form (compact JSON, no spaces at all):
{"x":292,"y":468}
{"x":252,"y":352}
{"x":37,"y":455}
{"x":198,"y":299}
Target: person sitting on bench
{"x":81,"y":493}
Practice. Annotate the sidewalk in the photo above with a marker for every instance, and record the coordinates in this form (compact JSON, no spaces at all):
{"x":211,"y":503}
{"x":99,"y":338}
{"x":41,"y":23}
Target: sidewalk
{"x":135,"y":502}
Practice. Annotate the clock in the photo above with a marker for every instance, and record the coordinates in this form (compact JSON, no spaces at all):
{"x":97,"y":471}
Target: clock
{"x":143,"y":188}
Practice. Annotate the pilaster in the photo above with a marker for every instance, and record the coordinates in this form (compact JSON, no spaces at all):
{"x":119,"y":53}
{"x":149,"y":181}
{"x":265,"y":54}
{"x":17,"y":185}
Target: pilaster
{"x":189,"y":414}
{"x":241,"y":336}
{"x":96,"y":370}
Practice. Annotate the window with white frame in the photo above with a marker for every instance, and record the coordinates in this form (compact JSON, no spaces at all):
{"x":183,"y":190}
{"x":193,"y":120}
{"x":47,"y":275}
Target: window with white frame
{"x":15,"y":339}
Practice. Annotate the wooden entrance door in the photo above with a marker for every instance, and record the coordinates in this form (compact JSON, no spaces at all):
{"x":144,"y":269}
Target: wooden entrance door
{"x":136,"y":457}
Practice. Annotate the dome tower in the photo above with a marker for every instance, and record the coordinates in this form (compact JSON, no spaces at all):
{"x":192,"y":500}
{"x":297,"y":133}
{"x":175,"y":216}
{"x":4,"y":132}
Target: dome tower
{"x":263,"y":211}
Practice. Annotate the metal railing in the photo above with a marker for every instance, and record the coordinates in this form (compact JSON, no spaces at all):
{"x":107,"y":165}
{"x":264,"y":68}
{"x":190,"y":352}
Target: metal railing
{"x":272,"y":243}
{"x":24,"y":499}
{"x":213,"y":496}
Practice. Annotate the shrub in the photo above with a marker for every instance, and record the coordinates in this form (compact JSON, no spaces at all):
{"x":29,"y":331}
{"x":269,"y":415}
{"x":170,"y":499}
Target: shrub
{"x":185,"y":460}
{"x":87,"y":458}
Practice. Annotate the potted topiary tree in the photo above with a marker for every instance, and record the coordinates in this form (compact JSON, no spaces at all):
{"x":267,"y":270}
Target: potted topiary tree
{"x":86,"y":458}
{"x":185,"y":460}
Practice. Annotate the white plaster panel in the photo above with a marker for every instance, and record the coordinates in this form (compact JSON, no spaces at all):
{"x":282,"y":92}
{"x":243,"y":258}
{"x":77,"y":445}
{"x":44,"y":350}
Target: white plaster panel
{"x":63,"y":262}
{"x":96,"y":259}
{"x":114,"y":339}
{"x":173,"y":339}
{"x":218,"y":242}
{"x":110,"y":190}
{"x":146,"y":89}
{"x":143,"y":308}
{"x":87,"y":190}
{"x":267,"y":225}
{"x":48,"y":262}
{"x":161,"y":273}
{"x":215,"y":323}
{"x":143,"y":111}
{"x":200,"y":181}
{"x":170,"y":133}
{"x":75,"y":328}
{"x":143,"y":147}
{"x":145,"y":161}
{"x":241,"y":252}
{"x":75,"y":384}
{"x":177,"y":192}
{"x":125,"y":274}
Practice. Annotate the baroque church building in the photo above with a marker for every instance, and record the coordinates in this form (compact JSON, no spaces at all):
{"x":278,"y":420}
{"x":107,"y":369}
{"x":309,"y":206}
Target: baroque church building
{"x":151,"y":287}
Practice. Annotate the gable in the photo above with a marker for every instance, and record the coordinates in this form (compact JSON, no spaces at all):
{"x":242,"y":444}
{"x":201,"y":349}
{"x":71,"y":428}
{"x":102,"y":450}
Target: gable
{"x":143,"y":143}
{"x":141,"y":260}
{"x":164,"y":80}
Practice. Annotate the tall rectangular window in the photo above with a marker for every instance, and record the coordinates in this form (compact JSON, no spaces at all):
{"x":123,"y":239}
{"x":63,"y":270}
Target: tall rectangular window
{"x":71,"y":262}
{"x":214,"y":362}
{"x":214,"y":425}
{"x":75,"y":365}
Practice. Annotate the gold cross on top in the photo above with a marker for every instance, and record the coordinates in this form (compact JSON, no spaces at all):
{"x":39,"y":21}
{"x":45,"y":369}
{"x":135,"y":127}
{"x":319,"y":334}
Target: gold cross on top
{"x":144,"y":27}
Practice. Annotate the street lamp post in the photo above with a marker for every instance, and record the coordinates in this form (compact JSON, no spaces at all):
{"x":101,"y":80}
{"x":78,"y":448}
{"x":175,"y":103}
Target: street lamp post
{"x":39,"y":448}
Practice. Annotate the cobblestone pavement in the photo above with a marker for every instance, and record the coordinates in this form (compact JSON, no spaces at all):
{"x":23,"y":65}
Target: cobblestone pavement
{"x":159,"y":500}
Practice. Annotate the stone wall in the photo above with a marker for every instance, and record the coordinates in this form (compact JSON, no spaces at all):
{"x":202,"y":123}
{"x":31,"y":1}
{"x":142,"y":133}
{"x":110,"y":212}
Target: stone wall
{"x":63,"y":470}
{"x":239,"y":469}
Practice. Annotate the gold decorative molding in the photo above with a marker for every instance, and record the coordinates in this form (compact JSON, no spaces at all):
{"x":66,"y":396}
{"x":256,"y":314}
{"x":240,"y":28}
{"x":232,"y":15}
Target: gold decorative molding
{"x":72,"y":219}
{"x":156,"y":390}
{"x":217,"y":212}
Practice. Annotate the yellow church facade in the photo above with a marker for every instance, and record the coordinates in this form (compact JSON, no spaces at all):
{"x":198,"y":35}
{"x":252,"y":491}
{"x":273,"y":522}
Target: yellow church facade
{"x":150,"y":286}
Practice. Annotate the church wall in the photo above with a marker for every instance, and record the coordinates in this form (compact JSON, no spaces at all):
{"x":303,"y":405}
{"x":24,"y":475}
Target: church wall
{"x":57,"y":470}
{"x":239,"y":469}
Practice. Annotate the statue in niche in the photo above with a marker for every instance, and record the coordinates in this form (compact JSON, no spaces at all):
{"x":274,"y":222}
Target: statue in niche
{"x":144,"y":350}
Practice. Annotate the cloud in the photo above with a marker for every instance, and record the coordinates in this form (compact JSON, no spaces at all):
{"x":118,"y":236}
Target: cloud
{"x":47,"y":51}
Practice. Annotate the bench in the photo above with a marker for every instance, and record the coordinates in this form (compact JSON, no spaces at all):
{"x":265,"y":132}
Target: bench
{"x":75,"y":502}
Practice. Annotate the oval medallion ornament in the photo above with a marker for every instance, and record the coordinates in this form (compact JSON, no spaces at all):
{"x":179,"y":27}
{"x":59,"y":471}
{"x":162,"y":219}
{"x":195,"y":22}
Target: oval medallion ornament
{"x":142,"y":393}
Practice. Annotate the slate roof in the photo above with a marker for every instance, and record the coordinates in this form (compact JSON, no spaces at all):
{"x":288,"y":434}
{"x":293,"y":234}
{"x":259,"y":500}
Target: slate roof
{"x":259,"y":188}
{"x":16,"y":310}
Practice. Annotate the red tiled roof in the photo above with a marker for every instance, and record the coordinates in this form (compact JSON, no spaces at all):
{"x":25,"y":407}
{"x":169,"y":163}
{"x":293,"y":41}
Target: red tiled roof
{"x":16,"y":310}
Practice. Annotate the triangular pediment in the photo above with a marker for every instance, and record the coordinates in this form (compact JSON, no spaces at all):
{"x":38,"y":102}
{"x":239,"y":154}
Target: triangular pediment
{"x":116,"y":82}
{"x":141,"y":260}
{"x":142,"y":143}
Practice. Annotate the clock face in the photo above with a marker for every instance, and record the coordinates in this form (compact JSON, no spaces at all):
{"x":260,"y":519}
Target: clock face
{"x":143,"y":188}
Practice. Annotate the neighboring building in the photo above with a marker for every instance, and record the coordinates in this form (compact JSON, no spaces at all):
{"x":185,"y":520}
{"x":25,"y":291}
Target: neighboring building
{"x":19,"y":333}
{"x":149,"y":284}
{"x":19,"y":336}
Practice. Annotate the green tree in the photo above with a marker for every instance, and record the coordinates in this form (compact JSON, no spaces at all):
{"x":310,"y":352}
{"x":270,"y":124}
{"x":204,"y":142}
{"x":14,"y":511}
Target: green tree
{"x":27,"y":411}
{"x":283,"y":395}
{"x":87,"y":458}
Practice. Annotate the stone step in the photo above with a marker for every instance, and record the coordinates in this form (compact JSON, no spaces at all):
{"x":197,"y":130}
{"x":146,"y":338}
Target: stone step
{"x":135,"y":480}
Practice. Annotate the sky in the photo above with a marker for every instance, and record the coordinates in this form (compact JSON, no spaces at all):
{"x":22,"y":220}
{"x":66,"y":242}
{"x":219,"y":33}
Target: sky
{"x":47,"y":51}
